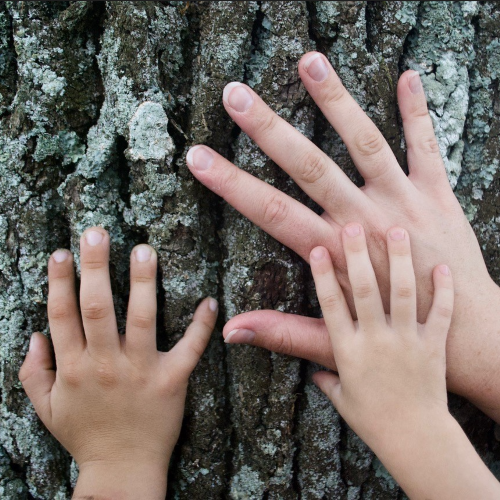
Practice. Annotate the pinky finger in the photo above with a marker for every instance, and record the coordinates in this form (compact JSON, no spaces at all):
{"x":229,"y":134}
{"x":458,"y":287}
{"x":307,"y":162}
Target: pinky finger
{"x":329,"y":384}
{"x":439,"y":317}
{"x":184,"y":356}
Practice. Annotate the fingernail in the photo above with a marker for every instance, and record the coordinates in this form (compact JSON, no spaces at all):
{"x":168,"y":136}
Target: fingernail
{"x":316,"y":67}
{"x":318,"y":253}
{"x":352,"y":230}
{"x":143,"y":253}
{"x":93,"y":238}
{"x":397,"y":234}
{"x":33,"y":341}
{"x":444,"y":269}
{"x":237,"y":96}
{"x":200,"y":158}
{"x":213,"y":304}
{"x":60,"y":255}
{"x":415,"y":83}
{"x":240,"y":336}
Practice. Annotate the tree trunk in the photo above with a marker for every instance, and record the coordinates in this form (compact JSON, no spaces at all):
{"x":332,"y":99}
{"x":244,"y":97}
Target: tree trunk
{"x":100,"y":102}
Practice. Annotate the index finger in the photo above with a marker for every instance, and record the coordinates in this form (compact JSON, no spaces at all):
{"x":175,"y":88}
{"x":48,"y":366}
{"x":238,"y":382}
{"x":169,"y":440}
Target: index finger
{"x":284,"y":218}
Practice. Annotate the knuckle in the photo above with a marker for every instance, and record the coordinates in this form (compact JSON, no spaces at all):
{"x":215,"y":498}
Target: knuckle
{"x":312,"y":167}
{"x":430,"y":145}
{"x":61,"y":273}
{"x":106,"y":375}
{"x":197,"y":346}
{"x":444,"y":311}
{"x":95,"y":311}
{"x":369,"y":143}
{"x":363,"y":289}
{"x":356,"y":247}
{"x":400,"y":249}
{"x":283,"y":342}
{"x":93,"y":264}
{"x":427,"y":145}
{"x":142,"y":278}
{"x":275,"y":210}
{"x":71,"y":374}
{"x":266,"y":123}
{"x":334,"y":93}
{"x":331,"y":301}
{"x":142,"y":322}
{"x":206,"y":325}
{"x":59,"y":310}
{"x":229,"y":181}
{"x":419,"y":111}
{"x":405,"y":290}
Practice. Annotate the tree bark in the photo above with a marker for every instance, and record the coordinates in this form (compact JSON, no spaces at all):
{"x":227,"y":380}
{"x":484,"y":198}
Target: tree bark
{"x":100,"y":102}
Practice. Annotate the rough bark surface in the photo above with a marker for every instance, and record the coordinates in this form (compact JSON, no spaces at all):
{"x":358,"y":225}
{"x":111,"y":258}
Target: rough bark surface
{"x":99,"y":102}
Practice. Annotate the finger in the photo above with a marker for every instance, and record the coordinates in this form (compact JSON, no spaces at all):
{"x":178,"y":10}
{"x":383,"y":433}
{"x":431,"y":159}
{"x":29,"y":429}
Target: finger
{"x":425,"y":163}
{"x":62,"y":308}
{"x":37,"y":375}
{"x":329,"y":384}
{"x":331,"y":298}
{"x":184,"y":356}
{"x":403,"y":288}
{"x":276,"y":213}
{"x":96,"y":300}
{"x":140,"y":339}
{"x":369,"y":150}
{"x":365,"y":291}
{"x":439,"y":317}
{"x":316,"y":173}
{"x":283,"y":333}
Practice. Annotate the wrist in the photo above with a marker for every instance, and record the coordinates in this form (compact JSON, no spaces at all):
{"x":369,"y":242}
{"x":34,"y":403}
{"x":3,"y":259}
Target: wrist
{"x":472,"y":349}
{"x":436,"y":460}
{"x":401,"y":433}
{"x":108,"y":480}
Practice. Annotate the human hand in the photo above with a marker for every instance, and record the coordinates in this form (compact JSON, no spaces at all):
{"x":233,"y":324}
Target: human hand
{"x":114,"y":402}
{"x":422,"y":202}
{"x":392,"y":370}
{"x":391,"y":386}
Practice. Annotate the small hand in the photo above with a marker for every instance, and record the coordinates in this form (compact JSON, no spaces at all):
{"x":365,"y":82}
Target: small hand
{"x":392,"y":370}
{"x":391,"y":386}
{"x":114,"y":402}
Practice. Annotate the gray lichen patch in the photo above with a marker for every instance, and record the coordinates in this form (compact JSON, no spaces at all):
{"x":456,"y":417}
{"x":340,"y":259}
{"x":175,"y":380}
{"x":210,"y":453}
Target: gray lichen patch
{"x":148,"y":134}
{"x":246,"y":484}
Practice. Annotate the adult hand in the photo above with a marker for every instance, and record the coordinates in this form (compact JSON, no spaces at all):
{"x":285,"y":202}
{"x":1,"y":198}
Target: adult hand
{"x":422,"y":202}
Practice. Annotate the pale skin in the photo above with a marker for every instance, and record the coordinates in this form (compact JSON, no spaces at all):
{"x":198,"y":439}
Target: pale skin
{"x":115,"y":402}
{"x":391,"y":385}
{"x":422,"y":202}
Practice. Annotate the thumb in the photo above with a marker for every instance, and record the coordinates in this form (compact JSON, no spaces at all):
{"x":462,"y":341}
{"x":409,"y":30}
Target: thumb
{"x":329,"y":384}
{"x":184,"y":356}
{"x":37,"y":375}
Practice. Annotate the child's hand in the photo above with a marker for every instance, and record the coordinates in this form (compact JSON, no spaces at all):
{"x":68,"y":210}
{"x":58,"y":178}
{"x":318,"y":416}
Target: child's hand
{"x":115,"y":402}
{"x":391,"y":368}
{"x":391,"y":387}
